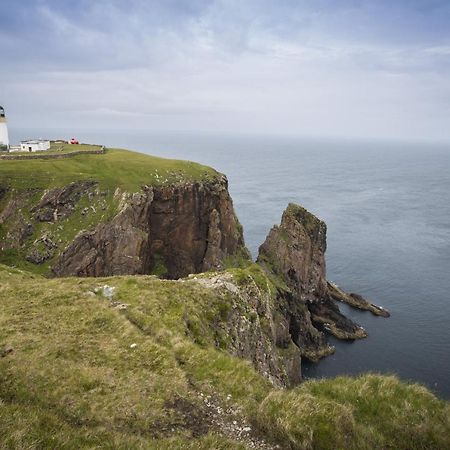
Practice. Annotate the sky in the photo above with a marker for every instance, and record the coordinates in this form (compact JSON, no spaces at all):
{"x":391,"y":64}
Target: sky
{"x":352,"y":68}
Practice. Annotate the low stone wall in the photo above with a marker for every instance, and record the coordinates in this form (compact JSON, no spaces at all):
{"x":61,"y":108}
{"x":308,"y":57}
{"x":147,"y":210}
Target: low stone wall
{"x":101,"y":151}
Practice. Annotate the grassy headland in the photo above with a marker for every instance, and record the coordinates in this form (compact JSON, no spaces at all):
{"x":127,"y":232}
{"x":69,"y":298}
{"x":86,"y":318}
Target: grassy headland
{"x":26,"y":181}
{"x":117,"y":168}
{"x":81,"y":371}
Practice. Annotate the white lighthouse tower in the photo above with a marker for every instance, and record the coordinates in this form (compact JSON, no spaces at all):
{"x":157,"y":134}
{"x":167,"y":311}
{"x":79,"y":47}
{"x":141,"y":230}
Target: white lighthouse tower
{"x":4,"y":139}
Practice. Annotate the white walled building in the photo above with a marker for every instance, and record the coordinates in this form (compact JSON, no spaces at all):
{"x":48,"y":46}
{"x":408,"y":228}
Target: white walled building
{"x":37,"y":145}
{"x":4,"y":138}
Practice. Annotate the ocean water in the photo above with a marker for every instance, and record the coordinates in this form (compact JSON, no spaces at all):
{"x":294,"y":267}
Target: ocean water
{"x":388,"y":214}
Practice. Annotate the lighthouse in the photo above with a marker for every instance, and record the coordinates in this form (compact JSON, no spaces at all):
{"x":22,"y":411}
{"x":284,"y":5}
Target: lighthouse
{"x":4,"y":139}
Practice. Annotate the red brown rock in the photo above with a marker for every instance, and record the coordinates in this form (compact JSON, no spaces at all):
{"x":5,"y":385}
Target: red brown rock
{"x":167,"y":230}
{"x":294,"y":256}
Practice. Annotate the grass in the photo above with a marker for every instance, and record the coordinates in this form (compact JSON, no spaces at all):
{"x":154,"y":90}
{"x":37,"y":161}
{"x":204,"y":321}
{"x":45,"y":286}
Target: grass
{"x":255,"y":273}
{"x":27,"y":180}
{"x":59,"y":147}
{"x":159,"y":268}
{"x":76,"y":380}
{"x":308,"y":220}
{"x":366,"y":412}
{"x":122,"y":169}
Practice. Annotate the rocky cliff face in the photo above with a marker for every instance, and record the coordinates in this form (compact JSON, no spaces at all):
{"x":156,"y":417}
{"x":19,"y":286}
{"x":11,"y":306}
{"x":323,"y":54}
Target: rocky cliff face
{"x":253,"y":324}
{"x":295,"y":251}
{"x":294,"y":255}
{"x":283,"y":307}
{"x":273,"y":313}
{"x":82,"y":229}
{"x":169,"y":230}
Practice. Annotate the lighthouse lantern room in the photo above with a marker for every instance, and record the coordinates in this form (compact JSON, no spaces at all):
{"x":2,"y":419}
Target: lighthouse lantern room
{"x":4,"y":139}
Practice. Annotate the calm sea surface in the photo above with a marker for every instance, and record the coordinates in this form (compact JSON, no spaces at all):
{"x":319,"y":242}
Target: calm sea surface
{"x":387,"y":207}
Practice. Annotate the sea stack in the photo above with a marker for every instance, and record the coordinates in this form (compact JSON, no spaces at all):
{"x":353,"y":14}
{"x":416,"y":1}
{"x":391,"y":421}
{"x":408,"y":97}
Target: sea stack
{"x":4,"y":139}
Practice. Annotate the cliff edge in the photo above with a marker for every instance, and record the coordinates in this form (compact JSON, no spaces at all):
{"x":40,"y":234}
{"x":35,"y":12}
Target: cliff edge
{"x":117,"y":213}
{"x":140,"y":362}
{"x":163,"y":359}
{"x":170,"y":231}
{"x":293,"y":256}
{"x":124,"y":213}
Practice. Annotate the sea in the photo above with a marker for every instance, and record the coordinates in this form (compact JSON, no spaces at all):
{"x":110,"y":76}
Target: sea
{"x":387,"y":208}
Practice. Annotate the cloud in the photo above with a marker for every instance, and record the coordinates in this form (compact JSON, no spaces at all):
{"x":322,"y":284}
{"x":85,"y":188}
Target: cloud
{"x":309,"y":67}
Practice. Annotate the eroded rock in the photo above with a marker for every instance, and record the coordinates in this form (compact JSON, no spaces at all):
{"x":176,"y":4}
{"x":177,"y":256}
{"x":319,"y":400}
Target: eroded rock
{"x":356,"y":301}
{"x":253,"y":328}
{"x":294,"y":256}
{"x":59,"y":203}
{"x":42,"y":250}
{"x":295,"y":252}
{"x":169,"y":230}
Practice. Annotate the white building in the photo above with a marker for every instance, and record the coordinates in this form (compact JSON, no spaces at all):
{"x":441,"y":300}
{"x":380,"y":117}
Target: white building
{"x":4,"y":138}
{"x":37,"y":145}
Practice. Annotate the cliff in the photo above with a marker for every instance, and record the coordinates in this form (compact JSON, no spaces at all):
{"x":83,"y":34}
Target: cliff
{"x":295,"y":251}
{"x":172,"y":360}
{"x":140,"y":362}
{"x":167,"y":230}
{"x":121,"y":213}
{"x":293,"y":254}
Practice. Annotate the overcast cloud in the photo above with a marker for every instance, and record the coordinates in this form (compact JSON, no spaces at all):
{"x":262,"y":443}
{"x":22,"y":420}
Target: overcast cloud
{"x":319,"y":67}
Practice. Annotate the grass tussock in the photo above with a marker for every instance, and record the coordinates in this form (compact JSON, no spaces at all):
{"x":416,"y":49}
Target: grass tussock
{"x":366,"y":412}
{"x":85,"y":374}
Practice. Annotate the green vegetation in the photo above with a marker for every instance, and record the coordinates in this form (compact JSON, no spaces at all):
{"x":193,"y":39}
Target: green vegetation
{"x":136,"y":373}
{"x":272,"y":271}
{"x":367,"y":412}
{"x":253,"y":273}
{"x":240,"y":259}
{"x":64,"y":147}
{"x":308,"y":220}
{"x":159,"y":268}
{"x":122,"y":169}
{"x":26,"y":181}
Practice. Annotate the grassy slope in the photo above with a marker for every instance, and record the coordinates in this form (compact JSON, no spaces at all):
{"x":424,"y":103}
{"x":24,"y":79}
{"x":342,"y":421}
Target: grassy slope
{"x":73,"y":381}
{"x":122,"y":169}
{"x":116,"y":168}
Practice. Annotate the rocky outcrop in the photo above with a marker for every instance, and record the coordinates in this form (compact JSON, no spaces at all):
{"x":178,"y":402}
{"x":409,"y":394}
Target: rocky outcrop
{"x":295,"y":251}
{"x":59,"y":203}
{"x":117,"y":247}
{"x":355,"y":300}
{"x":294,"y":256}
{"x":169,"y":230}
{"x":310,"y":340}
{"x":42,"y":250}
{"x":255,"y":329}
{"x":193,"y":227}
{"x":13,"y":214}
{"x":325,"y":314}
